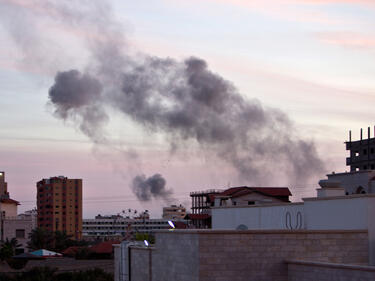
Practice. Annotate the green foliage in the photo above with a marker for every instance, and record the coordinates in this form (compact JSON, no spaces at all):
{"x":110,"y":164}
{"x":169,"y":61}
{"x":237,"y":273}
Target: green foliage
{"x":8,"y":248}
{"x":145,"y":236}
{"x":50,"y":274}
{"x":58,"y":241}
{"x":40,"y":238}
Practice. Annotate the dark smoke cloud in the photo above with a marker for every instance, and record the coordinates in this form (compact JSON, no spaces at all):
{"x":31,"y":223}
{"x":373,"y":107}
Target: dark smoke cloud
{"x":188,"y":102}
{"x":184,"y":100}
{"x":75,"y":95}
{"x":153,"y":187}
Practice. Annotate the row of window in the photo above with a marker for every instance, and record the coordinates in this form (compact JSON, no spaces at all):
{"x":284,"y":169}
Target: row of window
{"x":125,"y":222}
{"x":56,"y":213}
{"x":366,"y":167}
{"x":57,"y":200}
{"x":58,"y":206}
{"x":364,"y":151}
{"x":88,"y":230}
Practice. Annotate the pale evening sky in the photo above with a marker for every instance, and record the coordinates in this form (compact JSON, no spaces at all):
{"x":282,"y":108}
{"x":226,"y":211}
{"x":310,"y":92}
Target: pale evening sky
{"x":312,"y":59}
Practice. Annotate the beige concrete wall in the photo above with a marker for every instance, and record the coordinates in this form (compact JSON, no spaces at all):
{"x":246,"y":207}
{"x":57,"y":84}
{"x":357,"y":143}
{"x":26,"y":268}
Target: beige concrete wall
{"x":260,"y":256}
{"x":9,"y":209}
{"x":249,"y":255}
{"x":312,"y":271}
{"x":176,"y":257}
{"x":140,"y":263}
{"x":243,"y":200}
{"x":10,"y":227}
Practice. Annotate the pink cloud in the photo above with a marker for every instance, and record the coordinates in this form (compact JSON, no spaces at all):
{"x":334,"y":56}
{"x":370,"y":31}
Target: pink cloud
{"x":288,"y":10}
{"x":348,"y":39}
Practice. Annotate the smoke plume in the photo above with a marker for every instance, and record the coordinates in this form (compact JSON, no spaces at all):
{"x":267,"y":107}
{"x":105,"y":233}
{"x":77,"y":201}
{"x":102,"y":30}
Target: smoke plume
{"x":153,"y":187}
{"x":184,"y":100}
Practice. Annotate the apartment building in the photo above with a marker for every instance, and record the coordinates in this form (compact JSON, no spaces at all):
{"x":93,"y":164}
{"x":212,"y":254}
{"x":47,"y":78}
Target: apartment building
{"x":174,"y":212}
{"x":116,"y":227}
{"x":59,"y":204}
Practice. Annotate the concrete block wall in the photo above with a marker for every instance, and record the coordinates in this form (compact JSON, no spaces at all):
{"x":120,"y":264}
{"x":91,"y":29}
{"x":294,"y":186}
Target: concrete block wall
{"x":140,"y":263}
{"x":210,"y":255}
{"x":176,"y":257}
{"x":312,"y":271}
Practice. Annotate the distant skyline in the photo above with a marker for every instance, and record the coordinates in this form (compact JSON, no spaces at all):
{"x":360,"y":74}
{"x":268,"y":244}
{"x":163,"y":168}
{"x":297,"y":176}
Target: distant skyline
{"x":312,"y":59}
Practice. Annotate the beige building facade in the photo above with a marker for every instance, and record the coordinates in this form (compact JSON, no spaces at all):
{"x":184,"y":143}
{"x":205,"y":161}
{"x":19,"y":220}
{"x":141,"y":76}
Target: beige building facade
{"x":59,"y":204}
{"x":174,"y":212}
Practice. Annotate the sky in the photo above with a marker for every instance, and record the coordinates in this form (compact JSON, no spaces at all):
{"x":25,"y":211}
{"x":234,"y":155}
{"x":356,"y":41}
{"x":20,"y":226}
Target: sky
{"x":313,"y":60}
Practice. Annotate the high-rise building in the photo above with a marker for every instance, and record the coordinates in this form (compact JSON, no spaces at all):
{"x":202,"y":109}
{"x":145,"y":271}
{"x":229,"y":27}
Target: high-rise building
{"x":59,"y":203}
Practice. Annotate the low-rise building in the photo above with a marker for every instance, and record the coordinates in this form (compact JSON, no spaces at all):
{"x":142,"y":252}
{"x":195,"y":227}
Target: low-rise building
{"x":20,"y":227}
{"x":117,"y":227}
{"x":174,"y":212}
{"x":203,"y":201}
{"x":13,"y":225}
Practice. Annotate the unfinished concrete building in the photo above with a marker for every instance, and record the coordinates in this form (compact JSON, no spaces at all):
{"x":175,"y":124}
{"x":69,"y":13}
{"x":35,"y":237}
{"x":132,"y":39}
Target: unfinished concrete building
{"x":362,"y":152}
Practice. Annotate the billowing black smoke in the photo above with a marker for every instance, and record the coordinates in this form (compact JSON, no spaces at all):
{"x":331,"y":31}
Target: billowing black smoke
{"x":78,"y":96}
{"x":190,"y":103}
{"x":153,"y":187}
{"x":184,"y":100}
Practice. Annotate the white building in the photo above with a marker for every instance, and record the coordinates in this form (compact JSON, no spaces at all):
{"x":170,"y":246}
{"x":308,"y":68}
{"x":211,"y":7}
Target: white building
{"x":112,"y":227}
{"x":358,"y":182}
{"x":174,"y":212}
{"x":330,"y":210}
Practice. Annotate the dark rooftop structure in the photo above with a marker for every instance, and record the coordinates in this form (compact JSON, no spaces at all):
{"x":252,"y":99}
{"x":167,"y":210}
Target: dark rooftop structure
{"x":362,"y":152}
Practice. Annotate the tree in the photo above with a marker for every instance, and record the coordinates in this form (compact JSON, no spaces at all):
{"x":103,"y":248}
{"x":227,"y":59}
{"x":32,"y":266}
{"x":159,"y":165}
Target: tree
{"x":62,"y":241}
{"x":40,"y":238}
{"x":8,"y":248}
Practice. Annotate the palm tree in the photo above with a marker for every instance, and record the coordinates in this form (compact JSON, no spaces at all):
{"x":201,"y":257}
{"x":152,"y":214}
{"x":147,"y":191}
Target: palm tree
{"x":62,"y":240}
{"x":8,"y":248}
{"x":40,"y":238}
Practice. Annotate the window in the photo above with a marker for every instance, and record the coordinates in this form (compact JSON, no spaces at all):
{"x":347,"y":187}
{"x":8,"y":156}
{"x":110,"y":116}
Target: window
{"x":250,"y":203}
{"x":365,"y":167}
{"x":372,"y":166}
{"x":356,"y":153}
{"x":372,"y":150}
{"x":365,"y":152}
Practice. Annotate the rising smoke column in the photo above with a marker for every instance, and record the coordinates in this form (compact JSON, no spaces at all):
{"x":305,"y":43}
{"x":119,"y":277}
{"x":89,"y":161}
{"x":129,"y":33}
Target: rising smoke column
{"x":184,"y":100}
{"x":153,"y":187}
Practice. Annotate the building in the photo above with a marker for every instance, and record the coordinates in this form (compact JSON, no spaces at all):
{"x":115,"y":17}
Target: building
{"x":59,"y":203}
{"x":357,"y":182}
{"x":3,"y":186}
{"x":174,"y":212}
{"x":203,"y":201}
{"x":362,"y":152}
{"x":13,"y":225}
{"x":20,"y":227}
{"x":255,"y":238}
{"x":118,"y":227}
{"x":8,"y":206}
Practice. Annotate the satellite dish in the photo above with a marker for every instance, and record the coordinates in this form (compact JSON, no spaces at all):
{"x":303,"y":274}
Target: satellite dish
{"x":242,"y":227}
